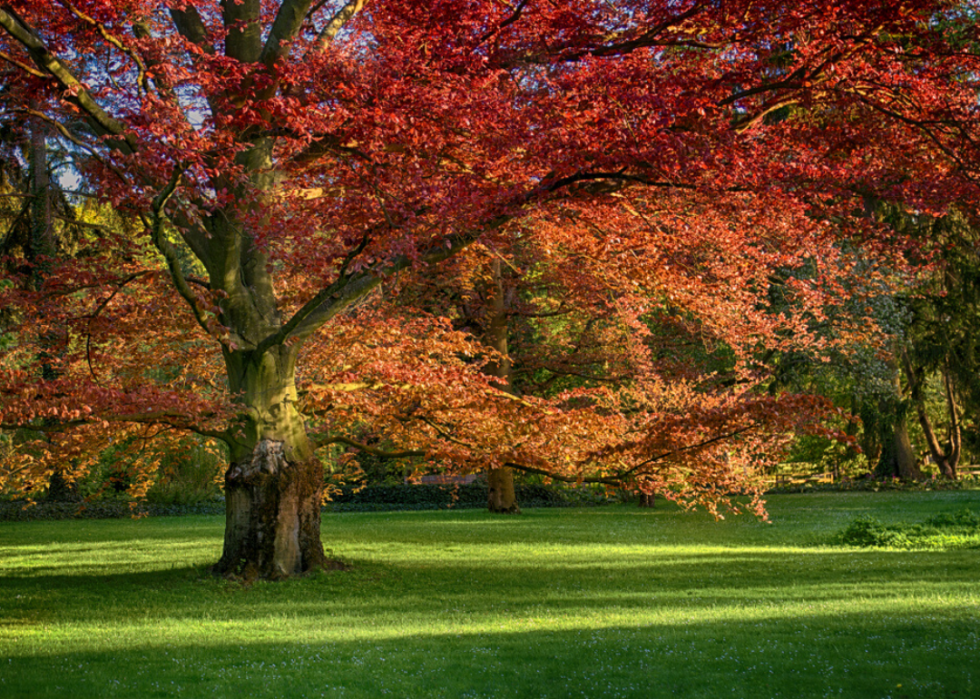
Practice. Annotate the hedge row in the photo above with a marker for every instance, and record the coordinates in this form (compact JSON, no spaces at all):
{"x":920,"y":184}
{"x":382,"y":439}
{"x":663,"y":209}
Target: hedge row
{"x":438,"y":497}
{"x":874,"y":485}
{"x":370,"y":499}
{"x":15,"y":510}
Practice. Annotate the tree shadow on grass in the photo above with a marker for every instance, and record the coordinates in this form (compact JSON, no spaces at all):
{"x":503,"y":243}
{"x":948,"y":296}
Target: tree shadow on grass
{"x":487,"y":614}
{"x":795,"y":656}
{"x":563,"y":585}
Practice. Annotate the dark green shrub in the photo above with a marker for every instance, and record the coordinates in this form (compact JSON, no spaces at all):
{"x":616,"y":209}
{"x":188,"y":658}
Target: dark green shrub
{"x":943,"y":531}
{"x":870,"y":532}
{"x":962,"y":518}
{"x":189,"y":474}
{"x":587,"y":495}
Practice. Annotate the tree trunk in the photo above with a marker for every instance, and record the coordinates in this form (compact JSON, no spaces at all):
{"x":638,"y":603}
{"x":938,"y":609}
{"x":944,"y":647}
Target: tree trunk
{"x":902,"y":453}
{"x":274,"y":485}
{"x":946,"y":459}
{"x":647,"y":500}
{"x":41,"y":251}
{"x":955,"y":436}
{"x":897,"y":457}
{"x":272,"y":526}
{"x":501,"y":494}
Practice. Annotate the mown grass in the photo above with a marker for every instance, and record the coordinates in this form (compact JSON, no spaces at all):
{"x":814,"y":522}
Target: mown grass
{"x":599,"y":602}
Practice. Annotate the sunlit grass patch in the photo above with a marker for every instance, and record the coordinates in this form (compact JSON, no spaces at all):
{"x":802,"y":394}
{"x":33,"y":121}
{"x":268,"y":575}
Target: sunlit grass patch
{"x":554,"y":603}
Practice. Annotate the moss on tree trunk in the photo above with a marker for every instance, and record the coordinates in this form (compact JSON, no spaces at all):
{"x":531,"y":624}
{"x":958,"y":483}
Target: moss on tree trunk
{"x":274,"y":485}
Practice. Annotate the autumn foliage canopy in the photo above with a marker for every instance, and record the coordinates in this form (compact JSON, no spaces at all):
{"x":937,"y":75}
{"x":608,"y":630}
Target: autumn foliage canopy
{"x":316,"y":221}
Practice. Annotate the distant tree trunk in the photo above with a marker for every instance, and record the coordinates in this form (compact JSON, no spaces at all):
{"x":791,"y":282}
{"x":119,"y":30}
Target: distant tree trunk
{"x":902,"y":452}
{"x":897,"y":455}
{"x":947,"y":458}
{"x":42,"y":246}
{"x":41,"y":251}
{"x":952,"y":457}
{"x":872,"y":434}
{"x":501,"y":494}
{"x":647,"y":500}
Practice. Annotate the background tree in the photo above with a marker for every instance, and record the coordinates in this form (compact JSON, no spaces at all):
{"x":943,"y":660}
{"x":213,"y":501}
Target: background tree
{"x":941,"y":339}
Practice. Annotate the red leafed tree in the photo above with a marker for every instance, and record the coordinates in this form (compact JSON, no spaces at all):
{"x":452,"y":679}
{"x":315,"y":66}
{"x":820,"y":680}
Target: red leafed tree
{"x":575,"y":312}
{"x":287,"y":157}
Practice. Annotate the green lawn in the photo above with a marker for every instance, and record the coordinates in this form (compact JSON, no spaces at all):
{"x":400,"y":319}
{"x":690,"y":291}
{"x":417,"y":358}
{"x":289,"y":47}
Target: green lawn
{"x":602,"y":602}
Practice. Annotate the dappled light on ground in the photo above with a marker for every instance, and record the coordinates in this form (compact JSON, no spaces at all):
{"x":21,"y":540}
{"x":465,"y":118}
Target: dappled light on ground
{"x":609,"y":602}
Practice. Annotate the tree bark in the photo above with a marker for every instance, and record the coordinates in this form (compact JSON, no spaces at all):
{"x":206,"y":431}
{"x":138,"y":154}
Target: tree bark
{"x":501,"y":494}
{"x":41,"y":252}
{"x":42,"y":244}
{"x":946,"y":459}
{"x":902,"y":453}
{"x":274,"y":485}
{"x":272,"y":521}
{"x":897,"y":456}
{"x":955,"y":436}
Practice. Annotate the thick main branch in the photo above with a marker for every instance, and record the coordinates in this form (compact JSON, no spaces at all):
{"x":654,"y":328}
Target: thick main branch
{"x":75,"y":92}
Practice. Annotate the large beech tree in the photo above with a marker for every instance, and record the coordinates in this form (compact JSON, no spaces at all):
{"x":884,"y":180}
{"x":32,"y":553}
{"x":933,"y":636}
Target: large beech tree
{"x":287,"y":157}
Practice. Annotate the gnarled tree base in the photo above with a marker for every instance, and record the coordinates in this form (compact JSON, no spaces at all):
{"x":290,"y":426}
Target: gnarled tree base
{"x":272,"y":516}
